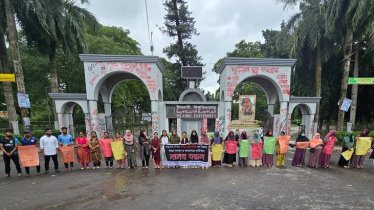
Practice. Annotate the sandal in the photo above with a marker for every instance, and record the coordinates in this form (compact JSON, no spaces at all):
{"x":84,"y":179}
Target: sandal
{"x":82,"y":168}
{"x":94,"y":168}
{"x":111,"y":167}
{"x":6,"y":176}
{"x":19,"y":175}
{"x":106,"y":166}
{"x":128,"y":167}
{"x":66,"y":170}
{"x":27,"y":175}
{"x":38,"y":174}
{"x":71,"y":169}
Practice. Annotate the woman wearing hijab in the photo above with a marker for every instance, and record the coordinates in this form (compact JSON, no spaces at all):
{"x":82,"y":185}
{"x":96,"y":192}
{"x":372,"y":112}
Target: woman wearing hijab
{"x":358,"y":160}
{"x":347,"y":144}
{"x":280,"y":157}
{"x":315,"y":150}
{"x":164,"y":141}
{"x":324,"y":158}
{"x":174,"y":138}
{"x":255,"y":162}
{"x":268,"y":159}
{"x":243,"y":161}
{"x":145,"y":151}
{"x":194,"y":139}
{"x":217,"y":139}
{"x":299,"y":156}
{"x":204,"y":139}
{"x":95,"y":150}
{"x":229,"y":159}
{"x":130,"y":147}
{"x":156,"y":144}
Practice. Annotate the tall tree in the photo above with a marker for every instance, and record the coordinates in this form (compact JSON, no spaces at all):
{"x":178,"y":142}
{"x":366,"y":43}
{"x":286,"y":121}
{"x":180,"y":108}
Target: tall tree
{"x":179,"y":24}
{"x":13,"y":42}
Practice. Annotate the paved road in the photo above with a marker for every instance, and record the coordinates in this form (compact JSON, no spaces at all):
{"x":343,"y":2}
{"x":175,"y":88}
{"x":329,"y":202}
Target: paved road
{"x":216,"y":188}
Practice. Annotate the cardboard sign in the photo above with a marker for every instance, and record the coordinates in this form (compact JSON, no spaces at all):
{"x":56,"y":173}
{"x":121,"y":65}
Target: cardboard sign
{"x":67,"y":153}
{"x":256,"y":151}
{"x":269,"y":145}
{"x":28,"y":155}
{"x":118,"y":150}
{"x":105,"y":146}
{"x":284,"y":141}
{"x":347,"y":154}
{"x":302,"y":145}
{"x":244,"y":148}
{"x":314,"y":142}
{"x":363,"y":145}
{"x":217,"y":152}
{"x":231,"y":147}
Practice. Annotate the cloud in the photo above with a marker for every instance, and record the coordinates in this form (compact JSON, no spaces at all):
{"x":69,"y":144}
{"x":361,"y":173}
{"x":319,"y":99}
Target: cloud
{"x":221,"y":24}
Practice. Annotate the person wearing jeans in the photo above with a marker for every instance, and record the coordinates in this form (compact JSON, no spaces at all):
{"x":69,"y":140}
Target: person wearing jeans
{"x":49,"y":147}
{"x":9,"y":146}
{"x":66,"y":139}
{"x":28,"y":140}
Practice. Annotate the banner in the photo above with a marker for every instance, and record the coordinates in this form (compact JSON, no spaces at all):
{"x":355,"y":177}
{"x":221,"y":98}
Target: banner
{"x":28,"y":155}
{"x":347,"y":154}
{"x":105,"y":146}
{"x":7,"y":78}
{"x":269,"y":145}
{"x":23,"y":100}
{"x":302,"y":145}
{"x":346,"y":104}
{"x":256,"y":151}
{"x":284,"y":141}
{"x":314,"y":142}
{"x":231,"y":147}
{"x":118,"y":150}
{"x":244,"y":148}
{"x":363,"y":144}
{"x":217,"y":152}
{"x":361,"y":81}
{"x":187,"y":155}
{"x":67,"y":153}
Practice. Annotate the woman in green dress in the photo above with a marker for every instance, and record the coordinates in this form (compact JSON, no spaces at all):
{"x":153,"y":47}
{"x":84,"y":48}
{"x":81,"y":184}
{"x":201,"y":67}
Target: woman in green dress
{"x":130,"y":145}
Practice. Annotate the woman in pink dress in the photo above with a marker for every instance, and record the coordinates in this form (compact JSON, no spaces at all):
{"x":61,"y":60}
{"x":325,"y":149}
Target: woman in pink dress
{"x":83,"y":151}
{"x":324,"y":158}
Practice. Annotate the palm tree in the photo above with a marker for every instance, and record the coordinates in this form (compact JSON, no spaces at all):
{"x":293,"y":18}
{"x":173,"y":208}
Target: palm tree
{"x":309,"y":29}
{"x":344,"y":18}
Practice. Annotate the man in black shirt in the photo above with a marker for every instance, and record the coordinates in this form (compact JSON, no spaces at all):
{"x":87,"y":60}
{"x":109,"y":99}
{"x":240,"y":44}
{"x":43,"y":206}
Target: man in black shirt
{"x":9,"y":146}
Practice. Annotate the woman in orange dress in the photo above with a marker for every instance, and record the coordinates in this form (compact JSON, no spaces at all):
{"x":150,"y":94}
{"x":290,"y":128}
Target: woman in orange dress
{"x":122,"y":162}
{"x":83,"y":151}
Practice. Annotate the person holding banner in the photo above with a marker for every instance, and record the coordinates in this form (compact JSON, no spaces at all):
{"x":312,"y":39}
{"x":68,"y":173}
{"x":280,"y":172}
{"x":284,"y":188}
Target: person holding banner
{"x":66,"y":139}
{"x":269,"y":147}
{"x":145,"y":151}
{"x":95,"y":150}
{"x":315,"y":145}
{"x":130,"y":145}
{"x":256,"y":150}
{"x":217,"y":145}
{"x":302,"y":142}
{"x":244,"y":143}
{"x":347,"y":144}
{"x":83,"y":151}
{"x":204,"y":139}
{"x":28,"y":140}
{"x":156,"y":145}
{"x":281,"y":157}
{"x":164,"y":141}
{"x":9,"y":146}
{"x":230,"y":153}
{"x":121,"y":162}
{"x":358,"y":159}
{"x":49,"y":147}
{"x":324,"y":158}
{"x":194,"y":139}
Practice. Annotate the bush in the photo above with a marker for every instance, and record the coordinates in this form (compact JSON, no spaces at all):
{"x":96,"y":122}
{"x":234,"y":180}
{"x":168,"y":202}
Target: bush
{"x":260,"y":122}
{"x":340,"y":136}
{"x":211,"y":135}
{"x":19,"y":137}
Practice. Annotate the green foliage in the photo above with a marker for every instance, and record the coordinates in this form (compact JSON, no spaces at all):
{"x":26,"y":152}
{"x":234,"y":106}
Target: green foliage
{"x":260,"y":122}
{"x":211,"y":135}
{"x":340,"y":135}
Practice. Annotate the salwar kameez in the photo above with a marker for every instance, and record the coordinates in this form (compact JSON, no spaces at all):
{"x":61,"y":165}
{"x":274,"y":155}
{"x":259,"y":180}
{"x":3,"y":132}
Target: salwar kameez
{"x":280,"y":157}
{"x":299,"y":157}
{"x":268,"y":159}
{"x":121,"y":162}
{"x":314,"y":157}
{"x":95,"y":152}
{"x":156,"y":153}
{"x":83,"y":151}
{"x":164,"y":141}
{"x":131,"y":157}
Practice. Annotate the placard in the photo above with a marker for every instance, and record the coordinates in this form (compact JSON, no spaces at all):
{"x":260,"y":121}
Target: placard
{"x":284,"y":141}
{"x":269,"y":145}
{"x":23,"y":100}
{"x":363,"y":145}
{"x":244,"y":148}
{"x":217,"y":152}
{"x":28,"y":155}
{"x":118,"y":150}
{"x":67,"y":153}
{"x":231,"y":147}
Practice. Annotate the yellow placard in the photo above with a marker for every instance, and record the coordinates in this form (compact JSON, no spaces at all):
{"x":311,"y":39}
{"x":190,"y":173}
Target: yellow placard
{"x":7,"y":78}
{"x":118,"y":150}
{"x":363,"y":145}
{"x":217,"y":152}
{"x":347,"y":154}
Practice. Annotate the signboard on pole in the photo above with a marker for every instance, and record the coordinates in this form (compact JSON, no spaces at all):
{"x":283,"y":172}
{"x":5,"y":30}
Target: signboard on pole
{"x":7,"y":78}
{"x":346,"y":104}
{"x":360,"y":81}
{"x":23,"y":100}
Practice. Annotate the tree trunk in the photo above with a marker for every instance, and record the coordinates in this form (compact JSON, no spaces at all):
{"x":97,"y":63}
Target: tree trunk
{"x":13,"y":42}
{"x":352,"y":117}
{"x":8,"y":90}
{"x":180,"y":41}
{"x":318,"y":83}
{"x":53,"y":75}
{"x":345,"y":76}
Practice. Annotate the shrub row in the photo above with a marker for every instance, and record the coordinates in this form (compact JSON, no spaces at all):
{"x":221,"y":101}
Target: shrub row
{"x":340,"y":135}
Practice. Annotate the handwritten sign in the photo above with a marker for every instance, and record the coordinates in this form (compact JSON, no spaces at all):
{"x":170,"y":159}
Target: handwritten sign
{"x":28,"y":155}
{"x":118,"y":150}
{"x":256,"y":151}
{"x":314,"y":142}
{"x":363,"y":145}
{"x":191,"y":111}
{"x":106,"y":147}
{"x":244,"y":148}
{"x":302,"y":145}
{"x":269,"y":145}
{"x":347,"y":154}
{"x":231,"y":147}
{"x":67,"y":153}
{"x":217,"y":152}
{"x":283,"y":143}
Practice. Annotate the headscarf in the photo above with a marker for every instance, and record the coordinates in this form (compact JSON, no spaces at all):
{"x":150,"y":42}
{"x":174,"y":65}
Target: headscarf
{"x":256,"y":138}
{"x":364,"y":135}
{"x":204,"y":138}
{"x":268,"y":133}
{"x":244,"y":135}
{"x":315,"y":136}
{"x":331,"y":133}
{"x":302,"y":138}
{"x":174,"y":138}
{"x":194,"y":139}
{"x":216,"y":138}
{"x":348,"y":139}
{"x":129,"y":139}
{"x":229,"y":137}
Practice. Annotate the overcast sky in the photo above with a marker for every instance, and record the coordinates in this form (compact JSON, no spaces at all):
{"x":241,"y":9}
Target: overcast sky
{"x":221,"y":24}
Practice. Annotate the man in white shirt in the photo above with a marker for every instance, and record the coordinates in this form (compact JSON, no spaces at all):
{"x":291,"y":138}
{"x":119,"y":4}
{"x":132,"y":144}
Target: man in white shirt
{"x":261,"y":132}
{"x":49,"y":147}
